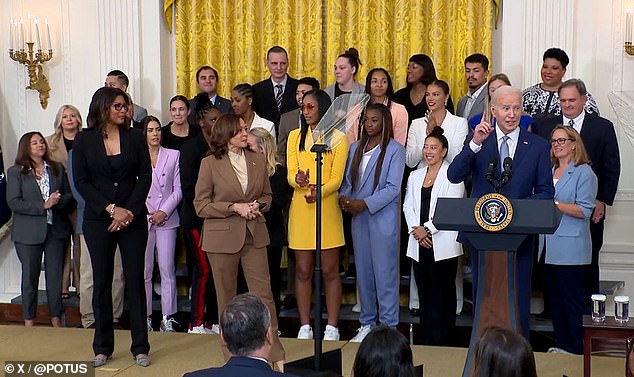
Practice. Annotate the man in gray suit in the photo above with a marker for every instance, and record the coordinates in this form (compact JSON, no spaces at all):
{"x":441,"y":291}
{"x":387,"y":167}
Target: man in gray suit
{"x":118,"y":79}
{"x":290,"y":119}
{"x":476,"y":69}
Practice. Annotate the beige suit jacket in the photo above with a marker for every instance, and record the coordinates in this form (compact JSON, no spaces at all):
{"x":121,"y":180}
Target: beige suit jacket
{"x":218,"y":188}
{"x":58,"y":151}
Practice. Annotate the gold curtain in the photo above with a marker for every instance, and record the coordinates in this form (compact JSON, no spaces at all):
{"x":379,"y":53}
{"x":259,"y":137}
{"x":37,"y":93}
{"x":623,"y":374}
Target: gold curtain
{"x":233,"y":37}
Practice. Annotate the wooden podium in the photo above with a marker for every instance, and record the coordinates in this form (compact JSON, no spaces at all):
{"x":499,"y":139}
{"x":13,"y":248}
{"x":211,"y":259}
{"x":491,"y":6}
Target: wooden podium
{"x":496,"y":293}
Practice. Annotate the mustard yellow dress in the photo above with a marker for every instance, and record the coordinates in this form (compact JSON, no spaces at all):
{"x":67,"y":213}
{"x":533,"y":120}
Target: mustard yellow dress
{"x":301,"y":222}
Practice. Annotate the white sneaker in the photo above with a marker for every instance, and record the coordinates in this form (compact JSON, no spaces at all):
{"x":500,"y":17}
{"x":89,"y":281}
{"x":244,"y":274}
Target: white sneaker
{"x":197,"y":330}
{"x":168,"y":323}
{"x":149,"y":325}
{"x":215,"y":329}
{"x":356,"y":308}
{"x":558,"y":350}
{"x":331,"y":333}
{"x":362,"y":332}
{"x":305,"y":332}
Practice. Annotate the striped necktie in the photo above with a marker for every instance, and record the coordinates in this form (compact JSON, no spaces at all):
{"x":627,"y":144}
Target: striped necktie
{"x":504,"y":151}
{"x":278,"y":96}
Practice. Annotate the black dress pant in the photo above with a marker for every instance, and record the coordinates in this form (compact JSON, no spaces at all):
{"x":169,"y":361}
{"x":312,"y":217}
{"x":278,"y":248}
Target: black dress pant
{"x":30,"y":257}
{"x":101,"y":244}
{"x":565,"y":292}
{"x":436,"y":282}
{"x":592,"y":269}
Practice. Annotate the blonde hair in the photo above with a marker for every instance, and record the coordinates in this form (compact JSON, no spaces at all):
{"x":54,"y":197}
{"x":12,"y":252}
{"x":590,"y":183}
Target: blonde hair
{"x":580,"y":155}
{"x":266,"y":142}
{"x":57,"y":125}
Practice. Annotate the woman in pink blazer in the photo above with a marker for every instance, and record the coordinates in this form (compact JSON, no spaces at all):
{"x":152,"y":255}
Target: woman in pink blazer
{"x":163,"y":221}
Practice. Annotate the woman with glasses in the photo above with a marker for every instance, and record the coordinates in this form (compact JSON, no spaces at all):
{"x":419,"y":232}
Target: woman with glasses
{"x":420,"y":73}
{"x":569,"y":249}
{"x":302,"y":174}
{"x":112,"y":172}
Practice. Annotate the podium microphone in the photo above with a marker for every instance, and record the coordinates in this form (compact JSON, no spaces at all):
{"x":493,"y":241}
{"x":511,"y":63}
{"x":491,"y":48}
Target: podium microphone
{"x":507,"y":174}
{"x":489,"y":174}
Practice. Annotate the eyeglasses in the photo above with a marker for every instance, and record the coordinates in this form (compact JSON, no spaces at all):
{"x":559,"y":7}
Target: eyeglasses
{"x":561,"y":141}
{"x":308,"y":106}
{"x":119,"y":106}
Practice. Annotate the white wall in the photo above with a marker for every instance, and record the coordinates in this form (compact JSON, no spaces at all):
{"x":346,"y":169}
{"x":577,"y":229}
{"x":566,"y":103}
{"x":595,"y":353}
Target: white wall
{"x":592,"y":33}
{"x":89,"y":38}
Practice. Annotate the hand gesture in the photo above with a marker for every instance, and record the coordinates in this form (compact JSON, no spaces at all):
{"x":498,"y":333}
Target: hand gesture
{"x":312,"y":196}
{"x":157,"y":218}
{"x":481,"y":132}
{"x":52,"y":200}
{"x":302,"y":178}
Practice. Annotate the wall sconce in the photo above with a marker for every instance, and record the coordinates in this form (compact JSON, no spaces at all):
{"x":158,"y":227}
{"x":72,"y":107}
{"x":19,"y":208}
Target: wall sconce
{"x":32,"y":57}
{"x":629,"y":29}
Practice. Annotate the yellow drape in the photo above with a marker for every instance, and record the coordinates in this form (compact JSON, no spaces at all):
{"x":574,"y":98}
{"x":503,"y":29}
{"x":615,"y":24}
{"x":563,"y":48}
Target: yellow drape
{"x":233,"y":36}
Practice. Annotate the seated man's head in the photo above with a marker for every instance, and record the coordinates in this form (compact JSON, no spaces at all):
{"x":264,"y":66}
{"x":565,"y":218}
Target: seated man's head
{"x":245,"y":326}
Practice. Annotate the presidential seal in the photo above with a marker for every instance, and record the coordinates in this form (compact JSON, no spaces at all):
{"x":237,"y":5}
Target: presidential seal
{"x":493,"y":212}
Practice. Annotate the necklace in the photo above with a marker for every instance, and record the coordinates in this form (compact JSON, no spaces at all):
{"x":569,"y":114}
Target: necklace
{"x":430,"y":176}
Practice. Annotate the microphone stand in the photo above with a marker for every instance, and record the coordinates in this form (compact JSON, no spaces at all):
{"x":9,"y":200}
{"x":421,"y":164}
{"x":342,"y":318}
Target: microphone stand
{"x":318,"y":149}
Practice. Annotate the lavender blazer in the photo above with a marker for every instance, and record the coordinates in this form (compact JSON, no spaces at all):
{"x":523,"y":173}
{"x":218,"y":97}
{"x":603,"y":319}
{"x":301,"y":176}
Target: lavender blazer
{"x":165,"y":191}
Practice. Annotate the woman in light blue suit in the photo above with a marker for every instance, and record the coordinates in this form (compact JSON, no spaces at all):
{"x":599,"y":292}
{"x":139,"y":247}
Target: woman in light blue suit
{"x":569,"y":249}
{"x":164,"y":196}
{"x":371,"y":194}
{"x":434,"y":252}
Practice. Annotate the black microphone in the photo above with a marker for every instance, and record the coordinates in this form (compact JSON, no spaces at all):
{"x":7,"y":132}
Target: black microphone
{"x":489,"y":174}
{"x":507,"y":173}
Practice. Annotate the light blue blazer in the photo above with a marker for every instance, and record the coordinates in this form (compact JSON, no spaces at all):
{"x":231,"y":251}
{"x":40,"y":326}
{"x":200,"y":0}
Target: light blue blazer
{"x":571,"y":243}
{"x":382,"y":202}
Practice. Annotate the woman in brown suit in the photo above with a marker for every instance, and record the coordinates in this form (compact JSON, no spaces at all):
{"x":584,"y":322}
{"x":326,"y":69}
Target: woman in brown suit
{"x":67,"y":124}
{"x":232,"y":191}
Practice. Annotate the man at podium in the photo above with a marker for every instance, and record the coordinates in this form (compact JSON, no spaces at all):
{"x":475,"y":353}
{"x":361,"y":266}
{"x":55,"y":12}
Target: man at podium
{"x":485,"y":155}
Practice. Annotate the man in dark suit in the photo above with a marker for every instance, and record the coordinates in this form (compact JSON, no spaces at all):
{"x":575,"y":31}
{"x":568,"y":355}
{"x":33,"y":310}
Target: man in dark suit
{"x":600,"y":141}
{"x":276,"y":95}
{"x":207,"y":81}
{"x":476,"y":70}
{"x":290,"y":120}
{"x":245,"y":327}
{"x":531,"y":176}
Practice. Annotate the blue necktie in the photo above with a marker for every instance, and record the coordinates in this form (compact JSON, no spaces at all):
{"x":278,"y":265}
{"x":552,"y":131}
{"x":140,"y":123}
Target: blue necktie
{"x":504,"y":151}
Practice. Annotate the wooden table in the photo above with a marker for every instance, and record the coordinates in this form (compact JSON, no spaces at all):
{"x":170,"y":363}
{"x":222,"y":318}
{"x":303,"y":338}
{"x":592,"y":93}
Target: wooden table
{"x":609,"y":329}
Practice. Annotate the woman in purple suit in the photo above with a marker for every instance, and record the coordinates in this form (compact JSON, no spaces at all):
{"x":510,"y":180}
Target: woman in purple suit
{"x":163,"y":221}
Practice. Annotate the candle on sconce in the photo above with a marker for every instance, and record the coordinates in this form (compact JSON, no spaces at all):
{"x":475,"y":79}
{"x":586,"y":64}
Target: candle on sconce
{"x":11,"y":34}
{"x":21,"y":39}
{"x":29,"y":35}
{"x":48,"y":35}
{"x":628,"y":24}
{"x":38,"y":43}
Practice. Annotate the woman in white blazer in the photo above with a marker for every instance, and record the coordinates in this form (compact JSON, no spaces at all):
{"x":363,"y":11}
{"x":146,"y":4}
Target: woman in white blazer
{"x":163,"y":221}
{"x":455,"y":128}
{"x":434,"y":251}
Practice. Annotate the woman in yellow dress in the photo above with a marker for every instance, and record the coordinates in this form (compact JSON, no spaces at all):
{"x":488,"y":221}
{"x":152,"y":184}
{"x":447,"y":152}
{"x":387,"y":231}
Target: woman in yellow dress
{"x":302,"y":176}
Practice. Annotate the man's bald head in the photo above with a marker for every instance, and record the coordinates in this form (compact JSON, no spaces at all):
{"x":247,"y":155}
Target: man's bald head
{"x":504,"y":90}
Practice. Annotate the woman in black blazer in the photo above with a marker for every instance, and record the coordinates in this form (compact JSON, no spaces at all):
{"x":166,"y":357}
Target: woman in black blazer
{"x":39,"y":195}
{"x":112,"y":172}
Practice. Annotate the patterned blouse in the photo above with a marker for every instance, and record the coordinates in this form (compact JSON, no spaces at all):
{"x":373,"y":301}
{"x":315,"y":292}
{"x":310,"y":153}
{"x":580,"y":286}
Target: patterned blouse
{"x":45,"y":187}
{"x":540,"y":103}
